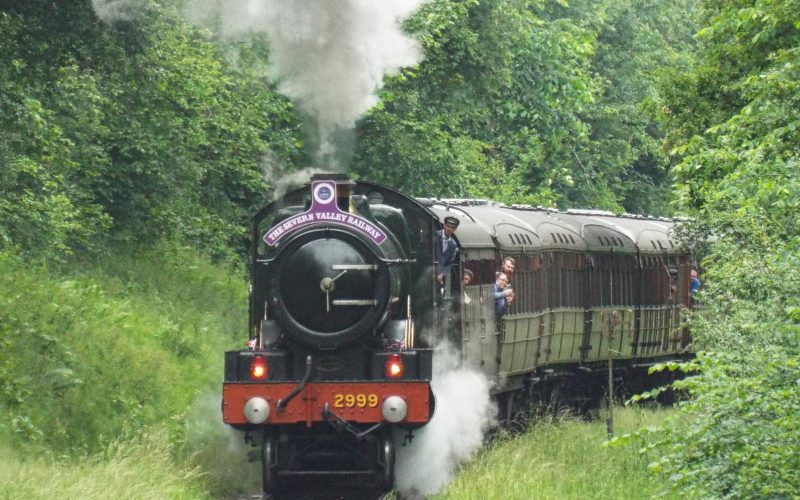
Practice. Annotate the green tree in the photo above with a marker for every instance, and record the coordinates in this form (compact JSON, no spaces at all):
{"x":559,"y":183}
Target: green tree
{"x":535,"y":101}
{"x":635,"y":41}
{"x":732,"y":123}
{"x":45,"y":171}
{"x":136,"y":129}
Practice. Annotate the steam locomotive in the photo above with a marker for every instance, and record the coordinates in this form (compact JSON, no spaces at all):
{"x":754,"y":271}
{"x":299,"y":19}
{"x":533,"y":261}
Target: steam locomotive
{"x":346,"y":309}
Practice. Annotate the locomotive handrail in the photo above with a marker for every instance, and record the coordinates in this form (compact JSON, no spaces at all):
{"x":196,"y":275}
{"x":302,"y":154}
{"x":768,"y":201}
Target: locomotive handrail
{"x":306,"y":377}
{"x":391,"y":262}
{"x":354,"y":267}
{"x":355,"y":302}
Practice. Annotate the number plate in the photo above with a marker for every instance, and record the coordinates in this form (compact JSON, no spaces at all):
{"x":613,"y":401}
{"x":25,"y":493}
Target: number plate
{"x":358,"y":400}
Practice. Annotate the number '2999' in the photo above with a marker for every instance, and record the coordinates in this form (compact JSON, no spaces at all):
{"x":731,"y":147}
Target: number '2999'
{"x":355,"y":400}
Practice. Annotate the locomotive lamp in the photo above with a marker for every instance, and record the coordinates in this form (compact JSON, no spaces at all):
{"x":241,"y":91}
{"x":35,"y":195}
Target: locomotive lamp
{"x":258,"y":368}
{"x":395,"y":366}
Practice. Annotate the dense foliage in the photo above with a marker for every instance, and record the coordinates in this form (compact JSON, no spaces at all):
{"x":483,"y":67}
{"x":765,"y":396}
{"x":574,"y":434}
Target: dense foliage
{"x":136,"y":130}
{"x":733,"y":121}
{"x":139,"y":129}
{"x":530,"y":101}
{"x":110,"y":350}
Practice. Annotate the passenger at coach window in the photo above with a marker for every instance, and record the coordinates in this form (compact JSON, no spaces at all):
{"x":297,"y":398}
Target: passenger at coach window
{"x":503,"y":296}
{"x":466,"y":279}
{"x":446,"y":248}
{"x":695,"y":282}
{"x":508,"y":267}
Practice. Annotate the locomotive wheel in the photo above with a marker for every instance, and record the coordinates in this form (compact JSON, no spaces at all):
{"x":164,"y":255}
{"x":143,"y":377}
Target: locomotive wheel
{"x":269,"y":463}
{"x":387,"y":453}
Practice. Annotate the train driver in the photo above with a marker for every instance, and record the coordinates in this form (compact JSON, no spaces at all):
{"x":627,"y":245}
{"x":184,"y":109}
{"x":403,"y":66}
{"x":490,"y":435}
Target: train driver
{"x":446,"y":248}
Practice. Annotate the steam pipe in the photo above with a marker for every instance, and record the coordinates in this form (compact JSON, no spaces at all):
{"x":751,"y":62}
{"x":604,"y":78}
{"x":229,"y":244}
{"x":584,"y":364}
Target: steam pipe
{"x":306,"y":377}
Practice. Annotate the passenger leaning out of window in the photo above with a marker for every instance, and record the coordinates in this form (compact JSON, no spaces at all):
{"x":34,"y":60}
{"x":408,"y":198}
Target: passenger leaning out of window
{"x":503,"y":295}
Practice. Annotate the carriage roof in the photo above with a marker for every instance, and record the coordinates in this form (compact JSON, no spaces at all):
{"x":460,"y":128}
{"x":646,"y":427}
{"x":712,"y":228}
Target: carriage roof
{"x":525,"y":229}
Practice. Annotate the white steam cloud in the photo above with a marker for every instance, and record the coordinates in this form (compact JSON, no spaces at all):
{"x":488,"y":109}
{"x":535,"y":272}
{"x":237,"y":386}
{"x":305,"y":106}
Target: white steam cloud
{"x":283,"y":181}
{"x":329,"y":56}
{"x":464,"y":412}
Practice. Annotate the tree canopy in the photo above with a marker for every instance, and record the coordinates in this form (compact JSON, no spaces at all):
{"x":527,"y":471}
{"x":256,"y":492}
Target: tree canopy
{"x":136,"y":129}
{"x":530,"y":101}
{"x":148,"y":127}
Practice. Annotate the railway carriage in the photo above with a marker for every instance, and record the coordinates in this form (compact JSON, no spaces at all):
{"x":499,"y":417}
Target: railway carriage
{"x":588,"y":285}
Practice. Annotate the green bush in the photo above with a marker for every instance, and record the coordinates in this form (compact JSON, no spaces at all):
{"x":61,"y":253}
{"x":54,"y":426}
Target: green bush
{"x":736,"y":436}
{"x":95,"y":355}
{"x":733,"y":119}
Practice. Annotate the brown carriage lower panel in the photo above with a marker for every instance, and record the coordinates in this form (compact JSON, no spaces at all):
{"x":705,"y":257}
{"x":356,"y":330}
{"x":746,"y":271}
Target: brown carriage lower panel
{"x":563,"y":337}
{"x":611,"y":328}
{"x":479,"y":342}
{"x":659,"y":331}
{"x":519,"y":345}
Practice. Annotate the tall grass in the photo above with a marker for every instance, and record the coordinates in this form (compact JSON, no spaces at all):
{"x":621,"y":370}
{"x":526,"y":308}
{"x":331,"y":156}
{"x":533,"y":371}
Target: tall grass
{"x":98,"y":353}
{"x":563,"y":459}
{"x":142,"y":468}
{"x":94,"y":354}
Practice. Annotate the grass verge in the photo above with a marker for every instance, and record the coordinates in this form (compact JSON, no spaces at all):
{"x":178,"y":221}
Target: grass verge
{"x":562,"y":459}
{"x":139,"y":469}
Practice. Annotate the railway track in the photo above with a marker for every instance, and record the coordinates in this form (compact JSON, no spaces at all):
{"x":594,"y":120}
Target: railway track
{"x":323,"y":489}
